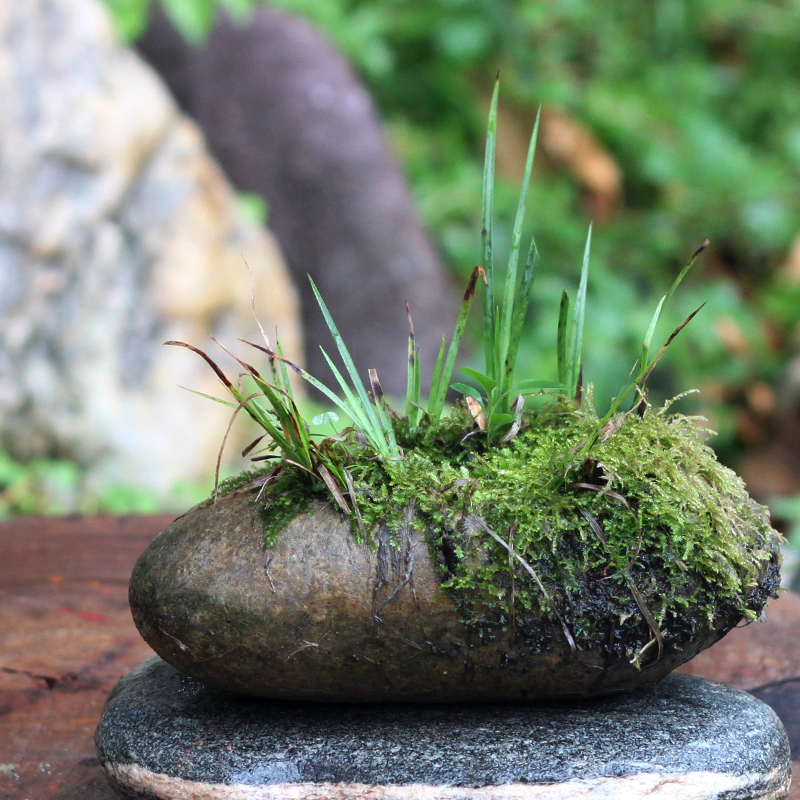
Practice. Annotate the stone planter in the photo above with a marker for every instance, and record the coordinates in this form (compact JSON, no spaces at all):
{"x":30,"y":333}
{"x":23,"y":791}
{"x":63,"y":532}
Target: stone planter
{"x":317,"y":616}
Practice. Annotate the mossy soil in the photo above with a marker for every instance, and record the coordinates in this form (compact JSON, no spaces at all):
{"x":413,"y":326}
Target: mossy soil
{"x":630,"y":545}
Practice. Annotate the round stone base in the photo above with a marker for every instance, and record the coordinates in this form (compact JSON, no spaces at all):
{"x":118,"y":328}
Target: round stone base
{"x":164,"y":736}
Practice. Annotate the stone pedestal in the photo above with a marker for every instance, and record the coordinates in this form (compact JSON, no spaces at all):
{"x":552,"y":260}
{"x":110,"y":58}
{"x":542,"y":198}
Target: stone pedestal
{"x":169,"y":737}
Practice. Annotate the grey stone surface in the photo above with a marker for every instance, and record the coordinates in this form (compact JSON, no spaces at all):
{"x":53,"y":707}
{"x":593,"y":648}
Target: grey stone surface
{"x":118,"y":231}
{"x":166,"y":735}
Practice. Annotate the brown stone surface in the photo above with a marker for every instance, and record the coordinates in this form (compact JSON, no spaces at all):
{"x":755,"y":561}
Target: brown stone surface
{"x":319,"y":617}
{"x":66,"y":636}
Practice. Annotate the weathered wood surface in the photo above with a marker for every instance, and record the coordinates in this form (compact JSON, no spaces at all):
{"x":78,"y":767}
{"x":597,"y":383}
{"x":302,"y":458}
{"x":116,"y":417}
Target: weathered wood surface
{"x":756,"y":654}
{"x":66,"y":637}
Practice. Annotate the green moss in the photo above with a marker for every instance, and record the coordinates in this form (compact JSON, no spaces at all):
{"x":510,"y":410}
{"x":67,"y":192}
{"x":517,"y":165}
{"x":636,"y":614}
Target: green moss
{"x":649,"y":507}
{"x":280,"y":501}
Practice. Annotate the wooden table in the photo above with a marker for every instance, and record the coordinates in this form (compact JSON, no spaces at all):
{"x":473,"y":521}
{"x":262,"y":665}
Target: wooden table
{"x":66,"y":637}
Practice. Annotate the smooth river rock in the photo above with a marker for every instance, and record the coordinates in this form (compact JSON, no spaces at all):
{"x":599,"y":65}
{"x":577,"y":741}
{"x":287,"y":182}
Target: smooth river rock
{"x":318,"y":616}
{"x":169,"y":737}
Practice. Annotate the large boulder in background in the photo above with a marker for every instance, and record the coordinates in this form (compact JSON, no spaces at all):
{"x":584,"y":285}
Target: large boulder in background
{"x":117,"y":232}
{"x":287,"y":117}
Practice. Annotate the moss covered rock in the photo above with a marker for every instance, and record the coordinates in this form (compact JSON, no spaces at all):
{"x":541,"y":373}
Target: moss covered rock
{"x":539,"y":569}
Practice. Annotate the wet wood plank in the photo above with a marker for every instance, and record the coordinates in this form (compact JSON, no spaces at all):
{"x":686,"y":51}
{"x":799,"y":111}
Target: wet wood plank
{"x":66,"y":637}
{"x":757,"y":654}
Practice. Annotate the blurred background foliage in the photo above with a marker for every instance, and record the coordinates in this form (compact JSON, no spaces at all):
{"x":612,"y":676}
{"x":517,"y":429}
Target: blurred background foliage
{"x":666,"y":122}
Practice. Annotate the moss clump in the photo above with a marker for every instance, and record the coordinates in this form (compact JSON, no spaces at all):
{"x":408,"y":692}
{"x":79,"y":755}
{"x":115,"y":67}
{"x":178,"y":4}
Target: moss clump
{"x":281,"y":499}
{"x":640,"y":542}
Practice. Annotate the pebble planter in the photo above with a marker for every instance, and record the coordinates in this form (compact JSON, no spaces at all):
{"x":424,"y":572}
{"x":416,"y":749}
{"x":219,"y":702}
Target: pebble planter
{"x":318,"y":616}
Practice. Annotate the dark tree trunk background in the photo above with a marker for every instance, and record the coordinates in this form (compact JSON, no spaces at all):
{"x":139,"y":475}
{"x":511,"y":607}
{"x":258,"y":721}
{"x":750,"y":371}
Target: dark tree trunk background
{"x":287,"y":118}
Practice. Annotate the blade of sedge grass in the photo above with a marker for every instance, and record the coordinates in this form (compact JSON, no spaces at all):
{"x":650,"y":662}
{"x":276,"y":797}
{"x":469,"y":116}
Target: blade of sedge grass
{"x":520,"y":312}
{"x":452,"y":352}
{"x":578,"y":316}
{"x":649,"y":335}
{"x":219,"y":373}
{"x":652,"y":365}
{"x":664,"y":300}
{"x":485,"y":382}
{"x":437,"y":371}
{"x":382,"y":407}
{"x":638,"y":383}
{"x":417,"y":401}
{"x":284,"y":372}
{"x":637,"y":595}
{"x":247,"y":404}
{"x":279,"y":440}
{"x":530,"y":570}
{"x":209,"y":397}
{"x":347,"y":359}
{"x":249,"y":449}
{"x":288,"y":420}
{"x":688,"y":266}
{"x":512,"y":296}
{"x":326,"y":476}
{"x":291,"y":420}
{"x":627,"y":387}
{"x":371,"y":429}
{"x":317,"y":384}
{"x":563,"y":336}
{"x":351,"y":490}
{"x":223,"y":443}
{"x":412,"y":380}
{"x":293,"y":439}
{"x":467,"y":391}
{"x":489,"y":313}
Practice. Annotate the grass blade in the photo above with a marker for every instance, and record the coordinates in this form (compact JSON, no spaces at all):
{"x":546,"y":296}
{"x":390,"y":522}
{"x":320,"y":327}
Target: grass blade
{"x":652,"y":365}
{"x":412,"y":379}
{"x":285,"y":410}
{"x":382,"y":407}
{"x":688,"y":266}
{"x":356,"y":410}
{"x":353,"y":413}
{"x":333,"y":487}
{"x":287,"y":386}
{"x":417,"y":401}
{"x":512,"y":296}
{"x":209,"y":397}
{"x":520,"y":312}
{"x":249,"y":449}
{"x":347,"y":359}
{"x":489,"y":313}
{"x":578,"y":315}
{"x":649,"y":335}
{"x":211,"y":363}
{"x":664,"y":300}
{"x":437,"y":371}
{"x":484,"y":381}
{"x":467,"y":391}
{"x":254,"y":410}
{"x":563,"y":337}
{"x":447,"y":373}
